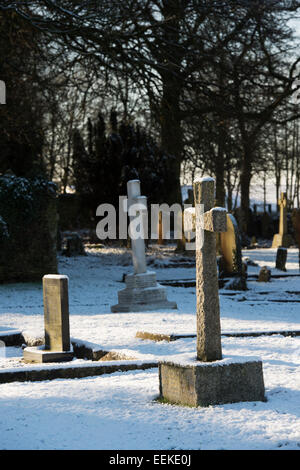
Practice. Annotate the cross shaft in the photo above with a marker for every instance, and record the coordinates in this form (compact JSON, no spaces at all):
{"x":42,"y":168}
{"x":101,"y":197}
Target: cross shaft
{"x":208,"y":308}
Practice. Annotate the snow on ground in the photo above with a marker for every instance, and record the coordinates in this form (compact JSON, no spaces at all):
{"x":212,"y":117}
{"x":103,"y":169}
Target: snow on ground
{"x":118,"y":411}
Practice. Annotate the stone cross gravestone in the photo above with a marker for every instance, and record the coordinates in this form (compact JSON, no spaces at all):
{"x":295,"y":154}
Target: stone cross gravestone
{"x":142,"y":292}
{"x":56,"y":321}
{"x":282,"y":238}
{"x":209,"y":379}
{"x":207,"y":288}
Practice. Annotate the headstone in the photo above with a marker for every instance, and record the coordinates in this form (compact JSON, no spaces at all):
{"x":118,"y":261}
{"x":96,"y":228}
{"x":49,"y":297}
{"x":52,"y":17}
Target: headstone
{"x":142,"y":292}
{"x":296,"y":224}
{"x":74,"y":245}
{"x":190,"y":198}
{"x":281,"y":257}
{"x":266,"y":226}
{"x":181,"y":242}
{"x":231,"y":256}
{"x":282,"y":238}
{"x":253,"y":243}
{"x":228,"y":246}
{"x":56,"y":320}
{"x":209,"y":379}
{"x":264,"y":274}
{"x":189,"y":224}
{"x":160,"y":240}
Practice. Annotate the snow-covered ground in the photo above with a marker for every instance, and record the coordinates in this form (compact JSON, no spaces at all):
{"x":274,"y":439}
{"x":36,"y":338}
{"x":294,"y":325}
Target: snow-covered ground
{"x":119,"y":411}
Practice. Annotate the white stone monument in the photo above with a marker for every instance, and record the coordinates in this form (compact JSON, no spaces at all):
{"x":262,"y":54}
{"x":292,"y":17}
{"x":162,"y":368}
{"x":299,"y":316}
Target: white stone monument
{"x":142,"y":292}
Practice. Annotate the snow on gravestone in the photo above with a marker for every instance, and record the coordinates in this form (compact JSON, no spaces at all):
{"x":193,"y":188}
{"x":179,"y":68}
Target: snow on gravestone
{"x":209,"y":379}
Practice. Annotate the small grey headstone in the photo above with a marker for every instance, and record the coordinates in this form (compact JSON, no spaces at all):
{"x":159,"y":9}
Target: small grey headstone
{"x":264,"y":274}
{"x":56,"y":320}
{"x":74,"y":246}
{"x":281,"y":257}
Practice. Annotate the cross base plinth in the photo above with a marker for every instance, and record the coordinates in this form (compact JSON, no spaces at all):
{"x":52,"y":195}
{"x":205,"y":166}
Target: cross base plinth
{"x":142,"y":293}
{"x":195,"y":383}
{"x":285,"y":240}
{"x":39,"y":354}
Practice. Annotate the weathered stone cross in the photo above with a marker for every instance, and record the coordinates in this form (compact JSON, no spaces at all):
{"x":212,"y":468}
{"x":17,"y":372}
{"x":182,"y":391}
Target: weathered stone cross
{"x":211,"y":379}
{"x":208,"y":309}
{"x":283,"y":238}
{"x":283,"y":214}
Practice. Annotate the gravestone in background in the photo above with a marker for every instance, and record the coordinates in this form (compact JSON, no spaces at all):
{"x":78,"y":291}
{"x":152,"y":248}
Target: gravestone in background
{"x":264,"y":274}
{"x":281,"y":257}
{"x":296,"y":225}
{"x":142,"y":292}
{"x":74,"y":245}
{"x":282,"y":238}
{"x":230,"y":248}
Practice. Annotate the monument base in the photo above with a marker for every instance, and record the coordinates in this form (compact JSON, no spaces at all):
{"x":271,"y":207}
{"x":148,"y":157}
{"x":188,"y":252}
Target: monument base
{"x":38,"y":354}
{"x":196,"y":383}
{"x":142,"y":293}
{"x":285,"y":240}
{"x":139,"y":307}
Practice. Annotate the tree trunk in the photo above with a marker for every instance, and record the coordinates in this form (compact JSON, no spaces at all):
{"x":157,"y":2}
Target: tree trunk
{"x":229,"y":192}
{"x":171,"y":135}
{"x":245,"y":179}
{"x":170,"y":116}
{"x":220,"y":169}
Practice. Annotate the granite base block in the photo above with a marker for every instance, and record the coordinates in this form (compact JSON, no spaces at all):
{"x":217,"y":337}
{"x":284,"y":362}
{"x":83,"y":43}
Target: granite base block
{"x":41,"y":355}
{"x":204,"y":384}
{"x":143,"y":307}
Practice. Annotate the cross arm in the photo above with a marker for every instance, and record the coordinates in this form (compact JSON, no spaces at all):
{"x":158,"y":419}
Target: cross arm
{"x":215,"y":220}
